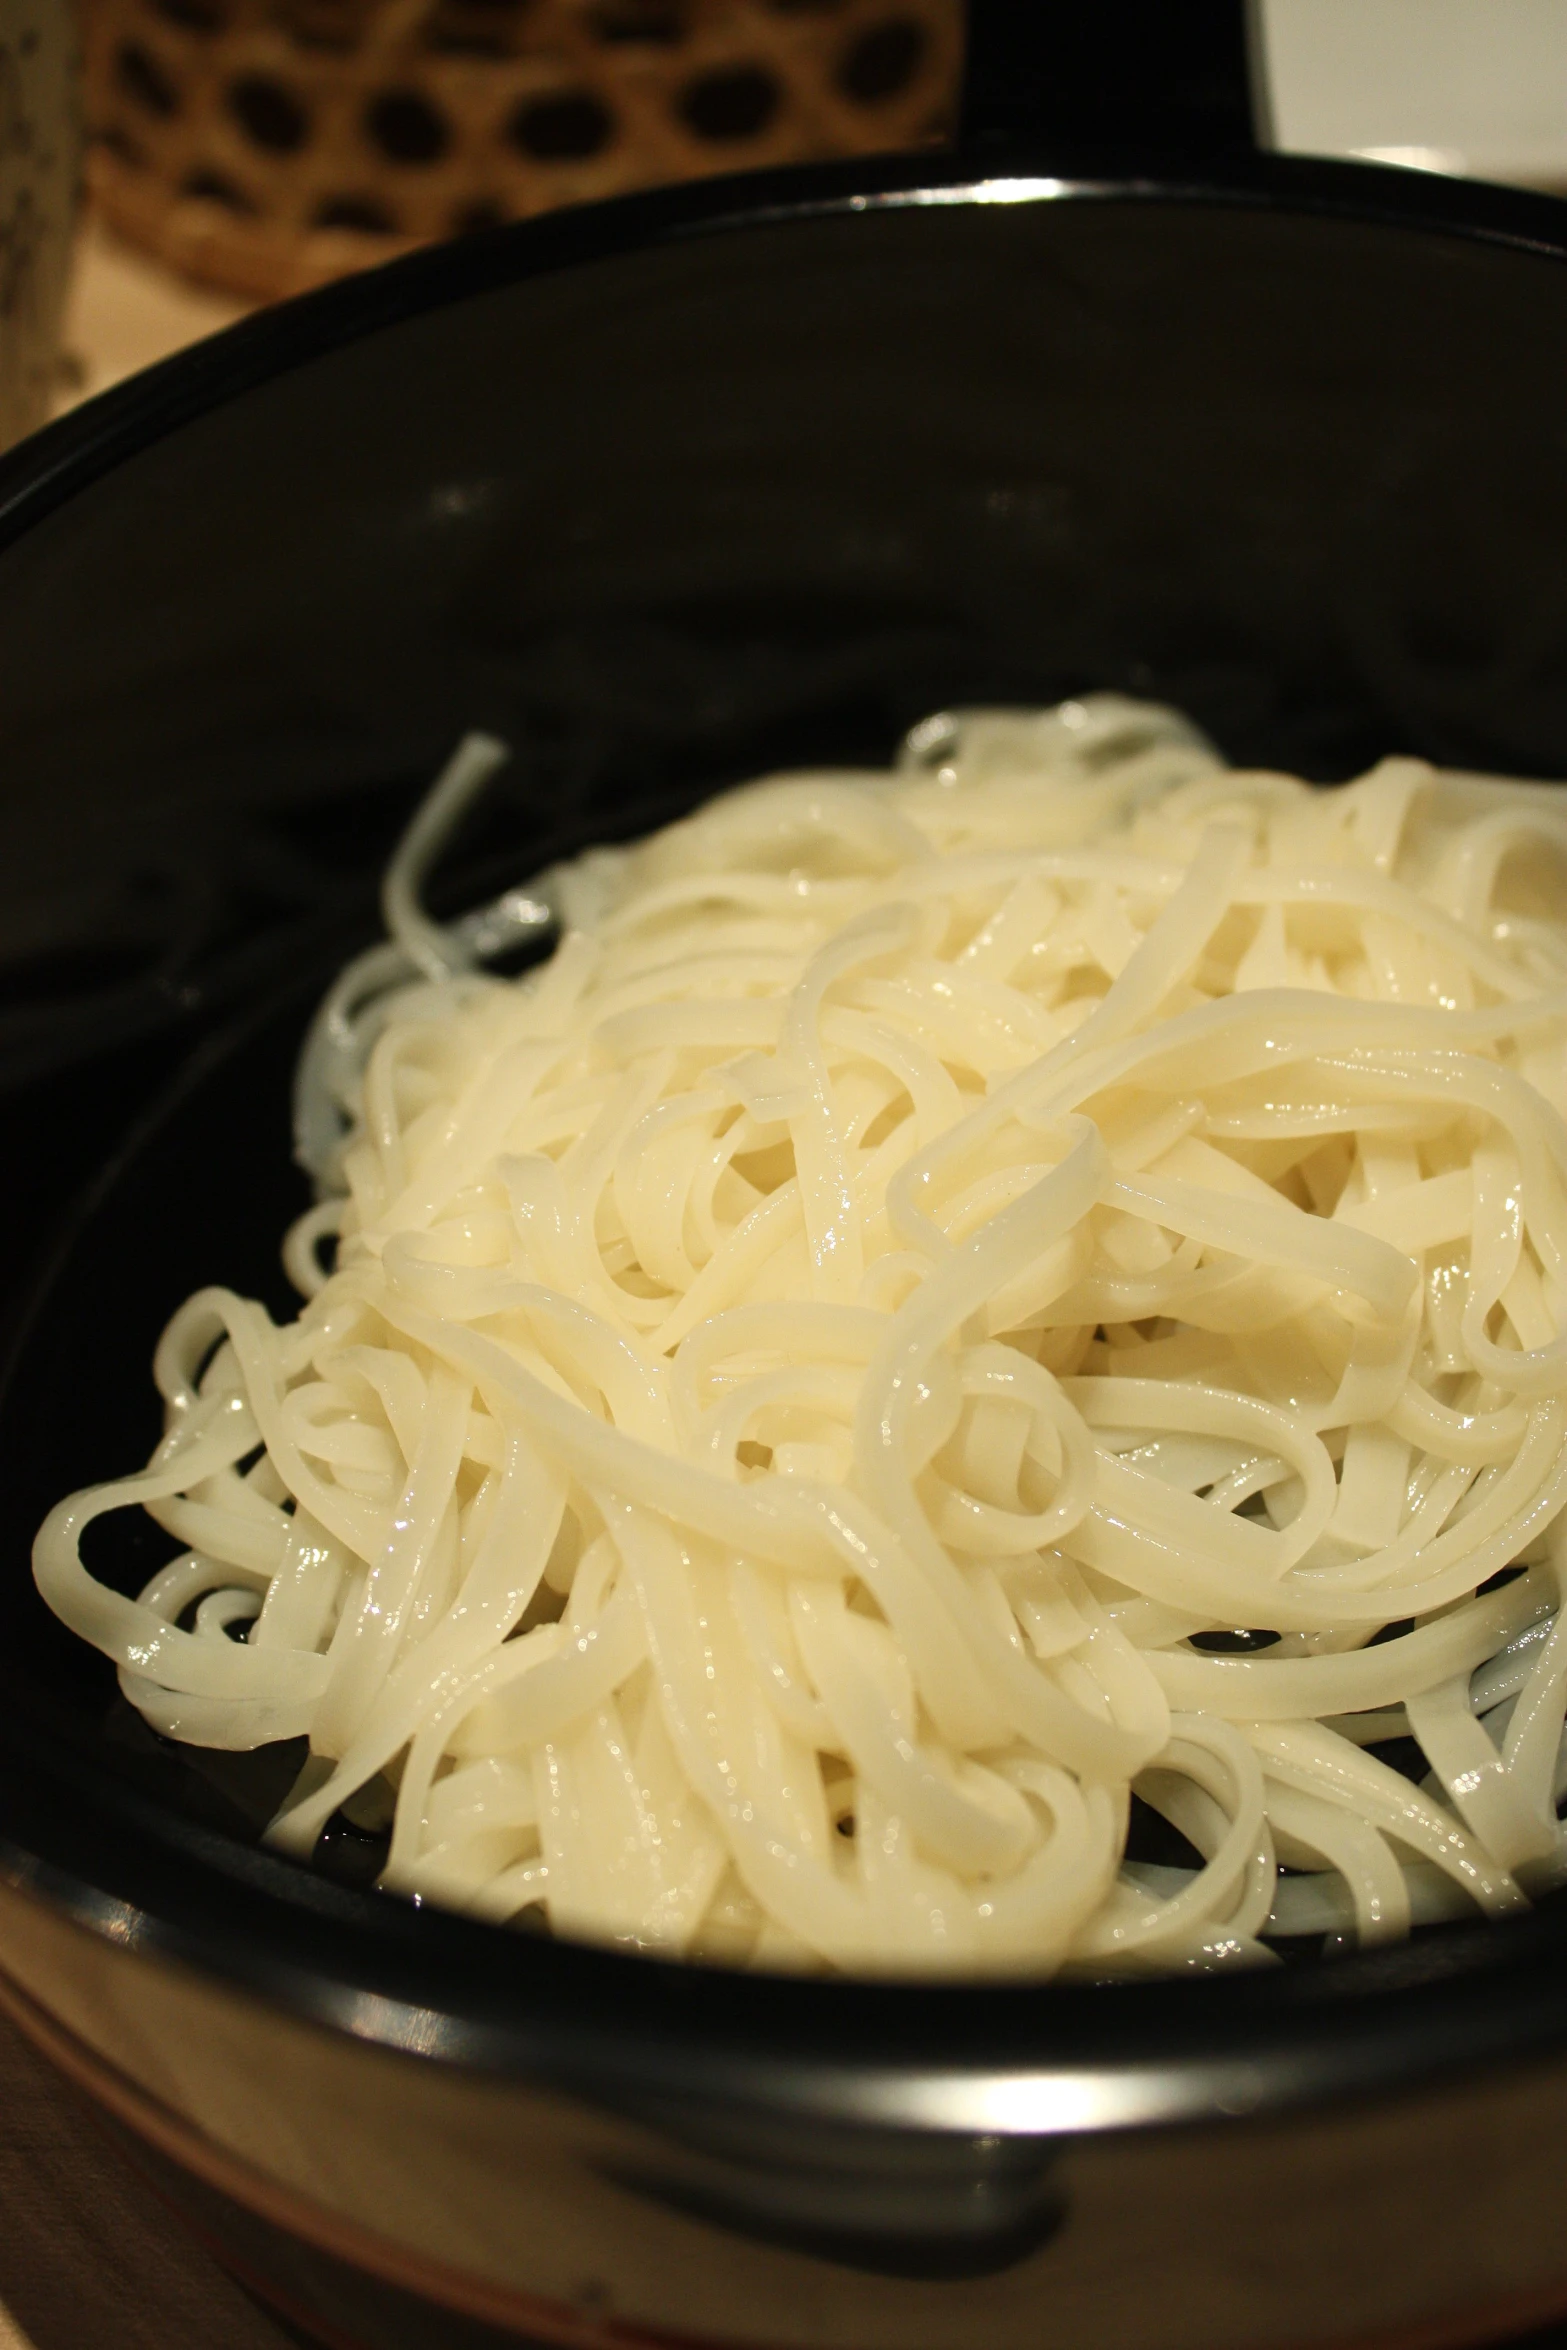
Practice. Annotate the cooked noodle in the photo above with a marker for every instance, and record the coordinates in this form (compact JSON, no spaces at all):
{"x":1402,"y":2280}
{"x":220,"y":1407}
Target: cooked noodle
{"x":953,"y":1300}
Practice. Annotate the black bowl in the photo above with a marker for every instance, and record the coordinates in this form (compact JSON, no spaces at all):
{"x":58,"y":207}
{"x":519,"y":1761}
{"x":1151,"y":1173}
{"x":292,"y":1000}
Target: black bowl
{"x":667,"y":493}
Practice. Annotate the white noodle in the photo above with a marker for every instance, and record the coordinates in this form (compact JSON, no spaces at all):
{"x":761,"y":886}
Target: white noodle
{"x":807,"y":1368}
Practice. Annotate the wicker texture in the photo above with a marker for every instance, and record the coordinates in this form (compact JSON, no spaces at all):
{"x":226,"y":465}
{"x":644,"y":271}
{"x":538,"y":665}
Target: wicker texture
{"x":269,"y":145}
{"x":40,"y":160}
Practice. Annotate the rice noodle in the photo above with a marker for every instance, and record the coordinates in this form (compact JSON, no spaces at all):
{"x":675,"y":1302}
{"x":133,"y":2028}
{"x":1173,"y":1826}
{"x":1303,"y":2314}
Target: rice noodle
{"x":954,"y":1299}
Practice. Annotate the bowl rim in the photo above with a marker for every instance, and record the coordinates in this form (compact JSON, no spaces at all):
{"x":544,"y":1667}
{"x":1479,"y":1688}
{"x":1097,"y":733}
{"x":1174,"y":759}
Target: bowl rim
{"x":996,"y":2059}
{"x":59,"y":462}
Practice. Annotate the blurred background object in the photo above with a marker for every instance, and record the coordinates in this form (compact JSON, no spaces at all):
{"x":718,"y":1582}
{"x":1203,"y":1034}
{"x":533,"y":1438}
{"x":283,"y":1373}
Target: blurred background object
{"x":264,"y":146}
{"x":40,"y":149}
{"x":1477,"y":87}
{"x":269,"y":145}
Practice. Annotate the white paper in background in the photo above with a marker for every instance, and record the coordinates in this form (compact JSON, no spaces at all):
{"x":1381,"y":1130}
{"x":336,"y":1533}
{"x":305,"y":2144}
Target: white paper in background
{"x":1471,"y":86}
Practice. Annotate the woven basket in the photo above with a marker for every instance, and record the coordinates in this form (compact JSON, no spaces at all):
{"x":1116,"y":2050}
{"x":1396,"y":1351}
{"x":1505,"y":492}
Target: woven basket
{"x":268,"y":145}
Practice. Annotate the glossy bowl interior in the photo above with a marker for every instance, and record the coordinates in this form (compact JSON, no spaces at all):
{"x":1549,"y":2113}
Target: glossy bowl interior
{"x":668,"y":497}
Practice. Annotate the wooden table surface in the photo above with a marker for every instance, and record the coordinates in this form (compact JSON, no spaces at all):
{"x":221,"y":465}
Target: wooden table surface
{"x":89,"y":2258}
{"x":127,"y":311}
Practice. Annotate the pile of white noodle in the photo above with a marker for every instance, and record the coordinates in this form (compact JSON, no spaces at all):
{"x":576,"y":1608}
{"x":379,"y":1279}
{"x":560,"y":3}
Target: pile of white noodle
{"x":807,"y":1366}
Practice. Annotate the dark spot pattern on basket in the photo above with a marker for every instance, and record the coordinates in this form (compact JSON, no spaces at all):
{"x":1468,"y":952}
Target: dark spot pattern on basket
{"x":333,"y":26}
{"x":444,"y":39}
{"x":475,"y":28}
{"x":406,"y":127}
{"x":471,"y":220}
{"x":215,"y":187}
{"x":193,"y":16}
{"x":115,"y":140}
{"x":471,"y":113}
{"x":731,"y":102}
{"x":566,"y":128}
{"x":269,"y":113}
{"x":144,"y":81}
{"x":882,"y":61}
{"x":658,"y":24}
{"x":367,"y":216}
